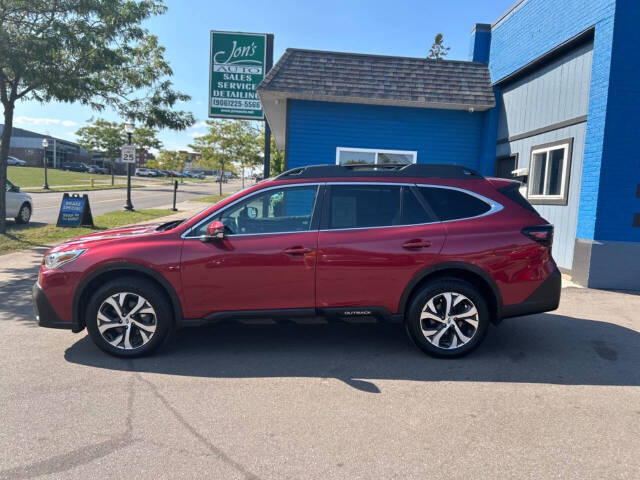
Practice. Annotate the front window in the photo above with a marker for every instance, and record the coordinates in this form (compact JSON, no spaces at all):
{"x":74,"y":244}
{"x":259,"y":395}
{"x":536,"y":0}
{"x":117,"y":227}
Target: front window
{"x":368,"y":156}
{"x":549,"y":173}
{"x":278,"y":210}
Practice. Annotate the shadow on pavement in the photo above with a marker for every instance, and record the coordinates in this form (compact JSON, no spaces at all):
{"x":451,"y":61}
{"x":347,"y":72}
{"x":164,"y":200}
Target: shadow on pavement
{"x":545,"y":348}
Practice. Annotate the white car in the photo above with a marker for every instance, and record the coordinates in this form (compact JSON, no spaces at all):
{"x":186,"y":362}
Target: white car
{"x":145,"y":172}
{"x":15,"y":162}
{"x":19,"y":204}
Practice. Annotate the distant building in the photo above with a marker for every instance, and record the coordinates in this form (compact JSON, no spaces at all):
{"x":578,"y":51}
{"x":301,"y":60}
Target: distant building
{"x":27,"y":145}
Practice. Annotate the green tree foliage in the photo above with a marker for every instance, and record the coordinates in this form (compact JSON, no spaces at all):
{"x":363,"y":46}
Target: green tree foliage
{"x":228,"y":142}
{"x":108,"y":137}
{"x":93,"y":52}
{"x":168,"y":160}
{"x":277,"y":157}
{"x":438,"y":49}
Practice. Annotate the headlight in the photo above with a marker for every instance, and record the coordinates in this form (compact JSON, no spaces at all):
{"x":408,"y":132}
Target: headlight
{"x":54,"y":260}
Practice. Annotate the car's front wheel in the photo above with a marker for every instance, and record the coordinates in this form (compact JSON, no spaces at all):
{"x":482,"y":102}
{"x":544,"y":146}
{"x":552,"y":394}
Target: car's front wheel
{"x":447,"y":318}
{"x":128,"y":317}
{"x":24,"y":215}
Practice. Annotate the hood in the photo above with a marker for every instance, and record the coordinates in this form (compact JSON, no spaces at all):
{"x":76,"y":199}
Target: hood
{"x":110,"y":235}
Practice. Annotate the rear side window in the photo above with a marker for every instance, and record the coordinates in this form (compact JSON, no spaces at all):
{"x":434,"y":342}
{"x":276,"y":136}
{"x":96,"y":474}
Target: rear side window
{"x":450,"y":204}
{"x":512,"y":192}
{"x":366,"y":206}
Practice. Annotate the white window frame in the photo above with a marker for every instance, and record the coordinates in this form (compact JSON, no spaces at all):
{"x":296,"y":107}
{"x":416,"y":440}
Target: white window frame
{"x":377,"y":151}
{"x":545,"y":198}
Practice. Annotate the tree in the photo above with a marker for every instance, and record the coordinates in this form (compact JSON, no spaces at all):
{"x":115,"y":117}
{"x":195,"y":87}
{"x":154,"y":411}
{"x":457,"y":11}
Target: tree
{"x":438,"y":49}
{"x":168,"y":160}
{"x":245,"y":145}
{"x":94,"y":52}
{"x":108,"y":137}
{"x":215,"y":147}
{"x":277,"y":157}
{"x":145,"y":139}
{"x":104,"y":137}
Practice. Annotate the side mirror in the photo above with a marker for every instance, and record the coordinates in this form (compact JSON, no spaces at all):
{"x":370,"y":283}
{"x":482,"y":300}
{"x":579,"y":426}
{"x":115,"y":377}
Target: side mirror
{"x":15,"y":189}
{"x":215,"y":231}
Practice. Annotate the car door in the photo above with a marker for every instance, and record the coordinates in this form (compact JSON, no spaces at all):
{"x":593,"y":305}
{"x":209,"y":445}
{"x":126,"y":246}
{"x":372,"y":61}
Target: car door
{"x":374,"y":238}
{"x":13,"y":200}
{"x":265,"y":262}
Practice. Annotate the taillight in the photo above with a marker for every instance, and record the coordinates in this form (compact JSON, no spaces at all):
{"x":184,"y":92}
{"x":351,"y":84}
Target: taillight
{"x":542,"y":234}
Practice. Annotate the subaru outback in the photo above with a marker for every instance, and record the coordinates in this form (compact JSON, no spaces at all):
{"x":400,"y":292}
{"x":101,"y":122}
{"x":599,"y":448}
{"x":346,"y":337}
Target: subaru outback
{"x":439,"y":248}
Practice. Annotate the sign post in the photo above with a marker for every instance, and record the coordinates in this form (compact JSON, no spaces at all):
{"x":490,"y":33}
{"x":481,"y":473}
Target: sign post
{"x":238,"y":63}
{"x":129,"y":157}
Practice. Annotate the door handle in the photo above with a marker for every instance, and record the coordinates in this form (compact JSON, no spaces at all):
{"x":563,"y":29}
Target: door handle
{"x":416,"y":243}
{"x":297,"y":250}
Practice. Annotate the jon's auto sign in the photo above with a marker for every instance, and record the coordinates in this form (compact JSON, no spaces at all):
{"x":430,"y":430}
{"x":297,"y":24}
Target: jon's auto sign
{"x":238,"y":64}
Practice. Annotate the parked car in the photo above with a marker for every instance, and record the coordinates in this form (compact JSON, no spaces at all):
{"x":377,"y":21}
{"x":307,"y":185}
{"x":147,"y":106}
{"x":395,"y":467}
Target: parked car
{"x":146,"y":172}
{"x":19,"y":205}
{"x":97,"y":170}
{"x":75,"y":167}
{"x":222,"y":178}
{"x":15,"y":162}
{"x":438,"y":247}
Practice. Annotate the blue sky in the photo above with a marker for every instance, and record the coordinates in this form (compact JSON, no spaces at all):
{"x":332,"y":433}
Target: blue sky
{"x":403,"y":27}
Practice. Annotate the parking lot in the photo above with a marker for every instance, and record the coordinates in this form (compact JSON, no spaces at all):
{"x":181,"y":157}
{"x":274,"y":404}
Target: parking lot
{"x":547,"y":396}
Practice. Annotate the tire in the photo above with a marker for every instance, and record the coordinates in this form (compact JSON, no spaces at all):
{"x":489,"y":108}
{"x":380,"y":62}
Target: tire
{"x":24,"y":214}
{"x":113,"y":330}
{"x":463,"y":329}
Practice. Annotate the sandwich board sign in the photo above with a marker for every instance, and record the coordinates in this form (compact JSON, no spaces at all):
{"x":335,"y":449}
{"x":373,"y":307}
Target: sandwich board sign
{"x":237,"y":64}
{"x":75,"y":211}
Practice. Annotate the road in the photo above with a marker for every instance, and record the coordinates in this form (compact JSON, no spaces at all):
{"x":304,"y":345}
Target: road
{"x":47,"y":205}
{"x":546,"y":396}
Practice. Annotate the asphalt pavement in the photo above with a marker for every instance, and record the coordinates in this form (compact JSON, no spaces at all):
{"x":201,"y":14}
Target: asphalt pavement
{"x":151,"y":195}
{"x":555,"y":395}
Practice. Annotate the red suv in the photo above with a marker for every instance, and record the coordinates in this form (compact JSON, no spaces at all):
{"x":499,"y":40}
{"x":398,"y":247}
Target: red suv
{"x":439,"y":247}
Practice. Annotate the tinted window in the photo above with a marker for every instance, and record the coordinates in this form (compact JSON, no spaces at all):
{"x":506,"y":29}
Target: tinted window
{"x":453,"y":204}
{"x":412,"y":211}
{"x":273,"y":211}
{"x":364,"y":206}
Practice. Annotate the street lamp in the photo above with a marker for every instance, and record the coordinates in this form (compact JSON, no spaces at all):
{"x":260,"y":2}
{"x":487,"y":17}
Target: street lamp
{"x":129,"y":127}
{"x":45,"y":144}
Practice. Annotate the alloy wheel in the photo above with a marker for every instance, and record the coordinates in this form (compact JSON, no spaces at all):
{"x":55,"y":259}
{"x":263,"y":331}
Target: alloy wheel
{"x":25,"y":213}
{"x":449,"y":320}
{"x":126,"y":320}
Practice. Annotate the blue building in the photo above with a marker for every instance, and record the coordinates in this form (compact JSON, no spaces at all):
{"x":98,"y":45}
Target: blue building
{"x":550,"y":95}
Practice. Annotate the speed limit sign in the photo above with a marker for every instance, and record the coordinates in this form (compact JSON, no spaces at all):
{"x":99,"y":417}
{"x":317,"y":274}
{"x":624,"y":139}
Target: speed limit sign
{"x":128,"y":154}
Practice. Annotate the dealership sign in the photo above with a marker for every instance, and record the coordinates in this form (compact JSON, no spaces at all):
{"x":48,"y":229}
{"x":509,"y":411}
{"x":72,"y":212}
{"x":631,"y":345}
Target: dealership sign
{"x":237,"y":66}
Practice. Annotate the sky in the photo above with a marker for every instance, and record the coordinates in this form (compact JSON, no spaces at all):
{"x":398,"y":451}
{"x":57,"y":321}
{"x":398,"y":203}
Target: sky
{"x":402,"y":27}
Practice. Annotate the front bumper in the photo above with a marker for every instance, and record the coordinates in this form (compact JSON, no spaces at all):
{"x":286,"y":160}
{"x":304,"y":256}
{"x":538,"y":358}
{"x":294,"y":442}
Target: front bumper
{"x":544,"y":299}
{"x":46,"y":316}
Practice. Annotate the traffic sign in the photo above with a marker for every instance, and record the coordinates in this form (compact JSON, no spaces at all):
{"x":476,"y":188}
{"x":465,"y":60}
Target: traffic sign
{"x":128,"y":154}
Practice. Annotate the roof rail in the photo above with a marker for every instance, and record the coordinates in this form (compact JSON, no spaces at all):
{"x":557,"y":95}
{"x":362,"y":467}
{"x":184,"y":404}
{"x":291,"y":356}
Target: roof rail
{"x":381,"y":170}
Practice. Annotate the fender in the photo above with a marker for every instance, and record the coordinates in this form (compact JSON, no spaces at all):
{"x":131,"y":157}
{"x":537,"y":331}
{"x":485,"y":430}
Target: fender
{"x":175,"y":301}
{"x":447,"y":266}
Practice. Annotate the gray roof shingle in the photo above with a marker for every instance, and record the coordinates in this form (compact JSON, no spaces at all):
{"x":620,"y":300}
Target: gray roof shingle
{"x":361,"y":78}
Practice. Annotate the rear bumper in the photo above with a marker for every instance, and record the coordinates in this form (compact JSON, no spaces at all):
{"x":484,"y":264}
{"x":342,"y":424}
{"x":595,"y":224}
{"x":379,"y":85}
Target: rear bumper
{"x":544,"y":299}
{"x":46,"y":316}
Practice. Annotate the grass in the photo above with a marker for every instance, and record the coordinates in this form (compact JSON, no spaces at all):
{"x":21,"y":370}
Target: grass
{"x":210,"y":198}
{"x":19,"y":237}
{"x":26,"y":177}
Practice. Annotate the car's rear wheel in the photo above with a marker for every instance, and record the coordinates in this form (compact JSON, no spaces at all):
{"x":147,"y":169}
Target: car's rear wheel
{"x":24,"y":214}
{"x":128,"y":317}
{"x":447,"y":318}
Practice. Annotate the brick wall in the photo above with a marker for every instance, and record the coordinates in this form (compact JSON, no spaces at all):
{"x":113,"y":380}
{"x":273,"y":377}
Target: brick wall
{"x":536,"y":27}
